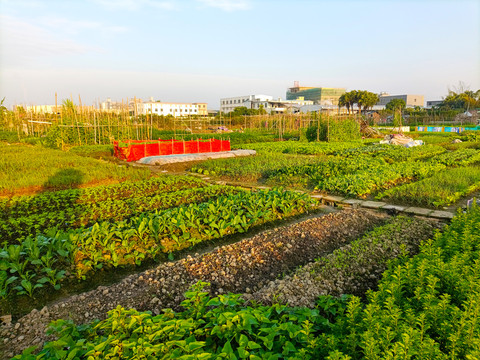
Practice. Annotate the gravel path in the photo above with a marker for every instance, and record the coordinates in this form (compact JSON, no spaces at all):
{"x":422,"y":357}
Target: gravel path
{"x":242,"y":267}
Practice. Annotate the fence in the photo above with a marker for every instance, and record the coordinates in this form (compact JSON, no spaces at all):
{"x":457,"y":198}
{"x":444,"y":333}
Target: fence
{"x":439,"y":129}
{"x":137,"y":149}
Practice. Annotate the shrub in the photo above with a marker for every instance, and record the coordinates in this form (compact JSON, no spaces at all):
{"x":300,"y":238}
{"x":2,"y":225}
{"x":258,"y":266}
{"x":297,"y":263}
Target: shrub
{"x":329,"y":129}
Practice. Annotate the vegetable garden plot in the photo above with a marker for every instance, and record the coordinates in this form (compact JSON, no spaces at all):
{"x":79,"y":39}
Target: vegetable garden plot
{"x":14,"y":229}
{"x":61,"y":200}
{"x":235,"y":267}
{"x":426,"y":307}
{"x":42,"y":261}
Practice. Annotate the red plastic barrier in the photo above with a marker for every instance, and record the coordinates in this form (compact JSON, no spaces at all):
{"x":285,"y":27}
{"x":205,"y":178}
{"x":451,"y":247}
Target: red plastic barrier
{"x":137,"y":149}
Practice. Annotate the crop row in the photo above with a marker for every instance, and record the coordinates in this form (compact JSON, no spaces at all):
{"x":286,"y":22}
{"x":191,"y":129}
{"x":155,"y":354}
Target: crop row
{"x":365,"y":182}
{"x":351,"y":269}
{"x":304,"y":148}
{"x":145,"y":236}
{"x":250,"y":168}
{"x":14,"y":229}
{"x":444,"y":189}
{"x":426,"y":307}
{"x":394,"y":153}
{"x":60,"y":200}
{"x":462,"y":157}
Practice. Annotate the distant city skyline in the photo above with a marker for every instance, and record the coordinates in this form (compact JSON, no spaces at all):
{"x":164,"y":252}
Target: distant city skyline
{"x":204,"y":50}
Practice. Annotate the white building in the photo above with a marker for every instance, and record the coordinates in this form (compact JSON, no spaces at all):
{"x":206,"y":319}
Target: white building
{"x":410,"y":100}
{"x":229,"y":104}
{"x":174,"y":109}
{"x":266,"y":102}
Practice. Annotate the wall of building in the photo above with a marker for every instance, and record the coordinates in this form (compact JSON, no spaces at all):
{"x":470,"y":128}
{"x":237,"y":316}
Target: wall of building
{"x":229,"y":104}
{"x":410,"y":100}
{"x":319,"y":95}
{"x":174,"y":109}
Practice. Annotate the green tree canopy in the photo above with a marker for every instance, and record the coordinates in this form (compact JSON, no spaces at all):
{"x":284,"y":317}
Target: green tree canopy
{"x":396,"y":104}
{"x":363,"y":98}
{"x":463,"y":100}
{"x":366,"y":99}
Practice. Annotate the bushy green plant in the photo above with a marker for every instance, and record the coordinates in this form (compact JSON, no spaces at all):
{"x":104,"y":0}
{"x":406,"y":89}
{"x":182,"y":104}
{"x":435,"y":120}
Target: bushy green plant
{"x":331,"y":129}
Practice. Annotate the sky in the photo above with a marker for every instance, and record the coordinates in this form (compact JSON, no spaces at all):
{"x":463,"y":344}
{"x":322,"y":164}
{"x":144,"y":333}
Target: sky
{"x":203,"y":50}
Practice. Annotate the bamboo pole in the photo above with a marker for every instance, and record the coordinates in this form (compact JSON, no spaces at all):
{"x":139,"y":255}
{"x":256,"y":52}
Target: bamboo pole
{"x":75,"y":119}
{"x":82,"y":117}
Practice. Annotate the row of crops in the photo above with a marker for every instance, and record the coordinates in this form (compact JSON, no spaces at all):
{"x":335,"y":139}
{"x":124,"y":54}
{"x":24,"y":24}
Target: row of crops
{"x":358,"y":169}
{"x":426,"y":306}
{"x":58,"y":236}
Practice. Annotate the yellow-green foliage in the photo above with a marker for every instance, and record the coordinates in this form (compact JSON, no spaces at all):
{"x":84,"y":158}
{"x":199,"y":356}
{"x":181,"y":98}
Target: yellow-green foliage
{"x":24,"y":166}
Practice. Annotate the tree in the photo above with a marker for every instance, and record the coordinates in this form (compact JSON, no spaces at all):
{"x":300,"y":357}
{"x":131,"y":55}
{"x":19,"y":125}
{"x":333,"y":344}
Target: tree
{"x":395,"y":105}
{"x":343,"y":102}
{"x":465,"y":100}
{"x":366,"y":99}
{"x":363,"y":98}
{"x":348,"y":99}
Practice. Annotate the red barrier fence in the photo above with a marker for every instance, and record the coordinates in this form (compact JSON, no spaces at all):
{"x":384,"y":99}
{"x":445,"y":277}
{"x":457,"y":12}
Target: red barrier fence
{"x":137,"y":149}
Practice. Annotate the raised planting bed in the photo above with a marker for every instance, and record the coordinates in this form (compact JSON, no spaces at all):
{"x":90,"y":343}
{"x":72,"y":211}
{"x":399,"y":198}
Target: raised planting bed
{"x":353,"y":268}
{"x":63,"y":210}
{"x":444,"y":189}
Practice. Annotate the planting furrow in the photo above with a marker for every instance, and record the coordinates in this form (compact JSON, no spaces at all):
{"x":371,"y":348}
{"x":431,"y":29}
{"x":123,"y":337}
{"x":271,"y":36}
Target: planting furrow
{"x":352,"y":269}
{"x":241,"y":267}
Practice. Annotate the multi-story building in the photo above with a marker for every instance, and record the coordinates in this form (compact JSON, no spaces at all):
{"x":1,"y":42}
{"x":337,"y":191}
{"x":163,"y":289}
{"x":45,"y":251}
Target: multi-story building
{"x":265,"y":102}
{"x":410,"y":100}
{"x":201,"y":108}
{"x":319,"y":95}
{"x":280,"y":106}
{"x":174,"y":109}
{"x":229,"y":104}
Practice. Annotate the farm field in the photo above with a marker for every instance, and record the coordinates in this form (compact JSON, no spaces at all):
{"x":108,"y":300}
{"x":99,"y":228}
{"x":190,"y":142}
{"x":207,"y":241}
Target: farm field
{"x":173,"y":266}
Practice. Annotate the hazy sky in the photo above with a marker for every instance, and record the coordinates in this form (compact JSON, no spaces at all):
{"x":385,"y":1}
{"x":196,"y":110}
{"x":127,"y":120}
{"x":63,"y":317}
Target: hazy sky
{"x":202,"y":50}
